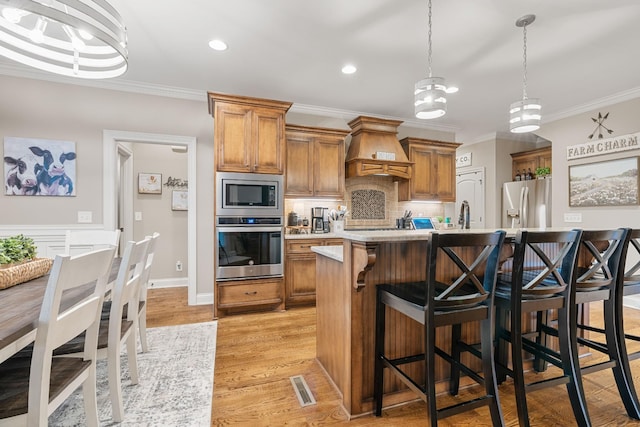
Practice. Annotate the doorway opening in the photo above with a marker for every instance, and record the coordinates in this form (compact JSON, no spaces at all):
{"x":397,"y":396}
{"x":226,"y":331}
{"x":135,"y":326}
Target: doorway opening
{"x":117,"y":199}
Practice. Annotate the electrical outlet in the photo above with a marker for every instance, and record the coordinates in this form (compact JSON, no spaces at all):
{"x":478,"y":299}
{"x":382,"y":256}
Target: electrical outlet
{"x":178,"y":265}
{"x":85,"y":217}
{"x":573,"y":217}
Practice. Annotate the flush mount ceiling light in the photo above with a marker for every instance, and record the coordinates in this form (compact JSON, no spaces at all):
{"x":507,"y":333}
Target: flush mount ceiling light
{"x":430,"y":95}
{"x":75,"y":38}
{"x":349,"y":69}
{"x":525,"y":115}
{"x":218,"y":45}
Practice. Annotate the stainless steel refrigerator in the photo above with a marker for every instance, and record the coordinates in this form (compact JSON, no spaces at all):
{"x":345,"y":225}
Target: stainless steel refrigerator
{"x":526,"y":204}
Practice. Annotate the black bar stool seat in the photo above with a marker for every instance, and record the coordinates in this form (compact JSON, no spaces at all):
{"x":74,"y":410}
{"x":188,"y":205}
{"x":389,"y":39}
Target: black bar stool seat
{"x":466,"y":295}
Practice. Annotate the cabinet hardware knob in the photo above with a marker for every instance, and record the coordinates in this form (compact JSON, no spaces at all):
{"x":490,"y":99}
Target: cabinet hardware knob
{"x":251,"y":293}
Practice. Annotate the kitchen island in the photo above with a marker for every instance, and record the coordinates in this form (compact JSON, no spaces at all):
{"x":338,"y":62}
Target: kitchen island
{"x":347,"y":276}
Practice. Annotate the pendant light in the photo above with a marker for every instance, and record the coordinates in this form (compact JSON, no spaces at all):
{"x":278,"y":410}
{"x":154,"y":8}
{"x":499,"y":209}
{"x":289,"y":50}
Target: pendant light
{"x":430,"y":95}
{"x":525,"y":115}
{"x":75,"y":38}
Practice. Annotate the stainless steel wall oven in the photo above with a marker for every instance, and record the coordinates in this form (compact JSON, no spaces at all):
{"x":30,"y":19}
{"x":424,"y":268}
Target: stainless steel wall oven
{"x":249,"y":247}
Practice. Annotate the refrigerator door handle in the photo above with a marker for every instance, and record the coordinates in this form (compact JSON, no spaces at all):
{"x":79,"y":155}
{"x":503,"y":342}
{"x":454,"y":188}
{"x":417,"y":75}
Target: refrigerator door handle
{"x":524,"y":203}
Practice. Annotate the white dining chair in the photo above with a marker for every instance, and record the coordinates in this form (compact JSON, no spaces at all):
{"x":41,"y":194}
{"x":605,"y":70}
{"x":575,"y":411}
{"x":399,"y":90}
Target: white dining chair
{"x":79,"y":241}
{"x":141,"y":322}
{"x":141,"y":325}
{"x":118,"y":328}
{"x":33,"y":383}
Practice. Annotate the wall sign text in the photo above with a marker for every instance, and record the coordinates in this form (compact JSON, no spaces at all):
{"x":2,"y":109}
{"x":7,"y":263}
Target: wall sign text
{"x":604,"y":146}
{"x":463,"y":160}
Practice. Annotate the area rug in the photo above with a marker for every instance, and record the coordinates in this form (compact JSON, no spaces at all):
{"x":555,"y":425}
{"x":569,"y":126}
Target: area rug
{"x":175,"y":387}
{"x":632,"y":301}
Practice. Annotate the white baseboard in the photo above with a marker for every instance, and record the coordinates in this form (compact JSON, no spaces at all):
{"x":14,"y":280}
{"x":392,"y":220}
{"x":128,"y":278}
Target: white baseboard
{"x":201,"y":299}
{"x":204,"y":299}
{"x":175,"y":282}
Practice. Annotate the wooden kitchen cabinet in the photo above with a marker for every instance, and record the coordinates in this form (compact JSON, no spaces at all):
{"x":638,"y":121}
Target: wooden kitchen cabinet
{"x":434,"y":171}
{"x":315,"y":162}
{"x":300,"y":270}
{"x":532,"y":159}
{"x":249,"y":295}
{"x":249,"y":133}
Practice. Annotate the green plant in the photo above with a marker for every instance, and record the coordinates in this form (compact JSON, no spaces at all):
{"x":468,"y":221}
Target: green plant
{"x":543,"y":171}
{"x":16,"y":249}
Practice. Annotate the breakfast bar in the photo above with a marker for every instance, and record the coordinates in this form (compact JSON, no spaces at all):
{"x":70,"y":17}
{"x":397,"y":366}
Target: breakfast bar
{"x":345,"y":305}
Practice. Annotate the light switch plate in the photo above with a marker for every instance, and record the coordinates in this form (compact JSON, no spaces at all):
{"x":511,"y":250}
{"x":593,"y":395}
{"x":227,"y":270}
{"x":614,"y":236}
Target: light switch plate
{"x":573,"y":217}
{"x":138,"y":216}
{"x":85,"y":217}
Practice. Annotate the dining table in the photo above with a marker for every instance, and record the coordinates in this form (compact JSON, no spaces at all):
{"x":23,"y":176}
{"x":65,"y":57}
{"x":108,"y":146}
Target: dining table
{"x":20,"y":309}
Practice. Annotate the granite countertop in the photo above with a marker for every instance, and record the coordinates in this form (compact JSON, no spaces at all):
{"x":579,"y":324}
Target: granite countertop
{"x":394,"y":235}
{"x":312,"y":236}
{"x":329,"y":251}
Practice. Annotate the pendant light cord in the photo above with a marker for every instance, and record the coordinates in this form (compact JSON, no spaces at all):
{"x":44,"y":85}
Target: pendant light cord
{"x":524,"y":75}
{"x":429,"y":55}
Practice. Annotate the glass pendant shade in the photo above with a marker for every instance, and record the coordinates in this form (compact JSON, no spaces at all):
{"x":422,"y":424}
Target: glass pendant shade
{"x":430,"y":98}
{"x":525,"y":115}
{"x":75,"y":38}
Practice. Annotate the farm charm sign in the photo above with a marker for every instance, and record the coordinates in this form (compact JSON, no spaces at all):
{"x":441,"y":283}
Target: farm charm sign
{"x":39,"y":167}
{"x":604,"y":146}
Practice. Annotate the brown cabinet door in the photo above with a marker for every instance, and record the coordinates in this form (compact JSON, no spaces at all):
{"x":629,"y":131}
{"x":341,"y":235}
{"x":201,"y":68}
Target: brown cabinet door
{"x":299,"y":175}
{"x":328,"y":177}
{"x":300,"y":279}
{"x":233,"y":138}
{"x":268,"y":141}
{"x":316,"y":169}
{"x":434,"y":170}
{"x":422,"y":182}
{"x":445,"y":186}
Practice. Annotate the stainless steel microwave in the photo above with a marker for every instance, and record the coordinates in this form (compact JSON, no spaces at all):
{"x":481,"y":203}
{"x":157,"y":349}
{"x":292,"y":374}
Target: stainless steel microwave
{"x":249,"y":194}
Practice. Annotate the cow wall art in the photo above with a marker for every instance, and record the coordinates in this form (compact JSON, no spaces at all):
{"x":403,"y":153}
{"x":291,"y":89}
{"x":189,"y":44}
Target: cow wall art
{"x":39,"y":167}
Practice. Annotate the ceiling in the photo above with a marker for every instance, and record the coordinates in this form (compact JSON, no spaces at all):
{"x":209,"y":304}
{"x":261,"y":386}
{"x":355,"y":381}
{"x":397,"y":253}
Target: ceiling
{"x":581,"y":55}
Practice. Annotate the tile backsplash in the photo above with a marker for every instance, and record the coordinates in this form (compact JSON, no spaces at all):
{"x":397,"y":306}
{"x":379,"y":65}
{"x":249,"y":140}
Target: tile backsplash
{"x":372,"y":203}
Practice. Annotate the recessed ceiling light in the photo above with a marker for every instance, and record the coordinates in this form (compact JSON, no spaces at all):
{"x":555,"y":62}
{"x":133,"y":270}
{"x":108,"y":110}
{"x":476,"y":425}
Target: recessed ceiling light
{"x":349,"y":69}
{"x":217,"y":45}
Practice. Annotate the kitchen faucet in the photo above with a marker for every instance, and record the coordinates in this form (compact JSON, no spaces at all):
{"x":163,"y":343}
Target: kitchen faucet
{"x":465,"y":218}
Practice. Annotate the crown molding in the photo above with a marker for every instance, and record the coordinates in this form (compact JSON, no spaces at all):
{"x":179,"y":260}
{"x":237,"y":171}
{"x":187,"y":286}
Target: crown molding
{"x":606,"y":101}
{"x":201,"y":95}
{"x":110,"y":84}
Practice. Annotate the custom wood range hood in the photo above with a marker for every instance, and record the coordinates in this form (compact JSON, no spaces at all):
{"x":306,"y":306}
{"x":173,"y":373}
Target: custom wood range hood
{"x":375,"y":149}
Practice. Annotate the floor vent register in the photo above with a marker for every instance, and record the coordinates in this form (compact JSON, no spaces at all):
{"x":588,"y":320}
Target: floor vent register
{"x":305,"y":397}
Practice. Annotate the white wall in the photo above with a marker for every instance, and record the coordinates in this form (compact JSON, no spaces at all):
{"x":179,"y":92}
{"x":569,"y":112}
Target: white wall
{"x":156,"y":209}
{"x":40,"y":109}
{"x":623,"y":119}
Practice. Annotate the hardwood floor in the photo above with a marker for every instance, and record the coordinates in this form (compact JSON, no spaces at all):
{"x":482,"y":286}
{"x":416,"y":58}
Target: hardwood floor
{"x":257,"y":353}
{"x":168,"y":306}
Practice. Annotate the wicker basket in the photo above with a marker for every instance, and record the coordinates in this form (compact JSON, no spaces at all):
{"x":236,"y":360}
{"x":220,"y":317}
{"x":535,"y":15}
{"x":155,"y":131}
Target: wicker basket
{"x":16,"y":274}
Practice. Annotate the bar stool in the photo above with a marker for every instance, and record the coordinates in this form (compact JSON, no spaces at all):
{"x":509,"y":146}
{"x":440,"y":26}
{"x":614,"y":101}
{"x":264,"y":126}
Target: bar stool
{"x":630,"y":286}
{"x":469,"y":264}
{"x":599,"y":280}
{"x":541,"y":280}
{"x":606,"y":280}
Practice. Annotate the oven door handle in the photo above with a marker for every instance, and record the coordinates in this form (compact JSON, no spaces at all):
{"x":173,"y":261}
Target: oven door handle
{"x":249,"y":229}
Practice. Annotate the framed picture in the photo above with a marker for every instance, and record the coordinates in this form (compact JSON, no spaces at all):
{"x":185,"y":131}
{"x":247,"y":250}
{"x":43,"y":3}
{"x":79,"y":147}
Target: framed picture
{"x":180,"y":200}
{"x":39,"y":167}
{"x":150,"y":183}
{"x":609,"y":183}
